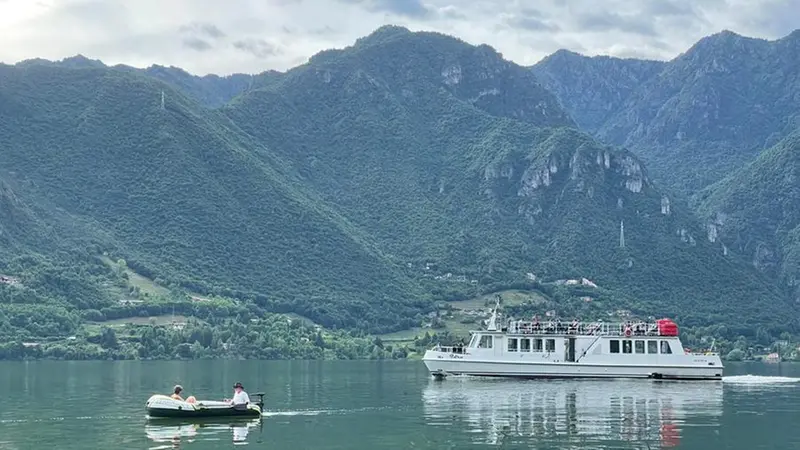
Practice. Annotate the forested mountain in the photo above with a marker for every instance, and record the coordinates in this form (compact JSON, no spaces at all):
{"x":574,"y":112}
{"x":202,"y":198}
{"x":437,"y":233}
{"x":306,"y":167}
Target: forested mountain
{"x":210,"y":90}
{"x":185,"y":197}
{"x":436,"y":179}
{"x":347,"y":189}
{"x":592,"y":89}
{"x":703,"y":114}
{"x":756,"y":211}
{"x":712,"y":125}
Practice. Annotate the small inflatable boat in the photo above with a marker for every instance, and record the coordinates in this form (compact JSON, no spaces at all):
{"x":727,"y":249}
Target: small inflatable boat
{"x":165,"y":406}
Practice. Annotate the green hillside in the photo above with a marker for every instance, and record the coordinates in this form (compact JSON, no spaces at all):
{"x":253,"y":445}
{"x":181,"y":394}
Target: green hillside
{"x":448,"y":184}
{"x":592,"y":89}
{"x":179,"y":194}
{"x":756,"y":211}
{"x":694,"y":119}
{"x":359,"y":191}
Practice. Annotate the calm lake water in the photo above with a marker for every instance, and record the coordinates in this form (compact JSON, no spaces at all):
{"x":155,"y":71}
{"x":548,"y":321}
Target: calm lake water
{"x":393,"y":405}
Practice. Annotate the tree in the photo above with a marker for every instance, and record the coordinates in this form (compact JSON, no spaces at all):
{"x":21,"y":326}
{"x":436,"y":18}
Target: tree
{"x":735,"y":355}
{"x":108,"y":338}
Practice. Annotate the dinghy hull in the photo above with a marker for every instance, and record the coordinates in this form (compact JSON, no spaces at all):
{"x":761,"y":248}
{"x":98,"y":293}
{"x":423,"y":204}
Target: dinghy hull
{"x":164,"y":406}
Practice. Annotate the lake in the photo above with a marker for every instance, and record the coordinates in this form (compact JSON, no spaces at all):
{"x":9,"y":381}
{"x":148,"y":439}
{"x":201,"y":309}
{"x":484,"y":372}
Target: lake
{"x":393,"y":405}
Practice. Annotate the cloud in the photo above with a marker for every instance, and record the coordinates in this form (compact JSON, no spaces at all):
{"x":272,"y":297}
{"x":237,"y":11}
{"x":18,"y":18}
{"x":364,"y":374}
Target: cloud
{"x":603,"y":21}
{"x":408,"y":8}
{"x":197,"y":35}
{"x":257,"y":47}
{"x":204,"y":29}
{"x":257,"y":35}
{"x":196,"y":44}
{"x":529,"y":19}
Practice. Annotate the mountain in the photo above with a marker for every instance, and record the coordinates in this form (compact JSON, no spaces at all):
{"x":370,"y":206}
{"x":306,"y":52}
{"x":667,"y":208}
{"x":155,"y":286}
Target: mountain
{"x":181,"y":194}
{"x":210,"y":90}
{"x":359,"y":188}
{"x":385,"y":134}
{"x":756,"y":211}
{"x":592,"y":89}
{"x":703,"y":114}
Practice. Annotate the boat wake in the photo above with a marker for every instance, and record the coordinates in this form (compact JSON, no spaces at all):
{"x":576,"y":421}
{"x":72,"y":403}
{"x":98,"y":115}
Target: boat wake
{"x":316,"y":412}
{"x":294,"y":413}
{"x":61,"y":419}
{"x":759,"y":380}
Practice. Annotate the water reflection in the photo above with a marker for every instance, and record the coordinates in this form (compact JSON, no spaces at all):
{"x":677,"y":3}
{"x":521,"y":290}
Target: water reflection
{"x":171,"y":433}
{"x":604,"y":414}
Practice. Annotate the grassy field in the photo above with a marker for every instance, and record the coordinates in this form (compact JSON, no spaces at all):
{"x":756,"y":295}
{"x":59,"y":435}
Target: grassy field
{"x":487,"y":302}
{"x":145,"y":285}
{"x":166,"y":319}
{"x":304,"y":320}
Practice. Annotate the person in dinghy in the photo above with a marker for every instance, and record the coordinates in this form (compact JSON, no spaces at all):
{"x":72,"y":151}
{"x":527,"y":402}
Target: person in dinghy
{"x":176,"y":395}
{"x":240,"y":397}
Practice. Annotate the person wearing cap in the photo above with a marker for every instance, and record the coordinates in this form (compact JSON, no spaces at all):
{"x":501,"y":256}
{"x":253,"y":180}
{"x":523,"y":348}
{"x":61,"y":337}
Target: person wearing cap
{"x":240,"y":397}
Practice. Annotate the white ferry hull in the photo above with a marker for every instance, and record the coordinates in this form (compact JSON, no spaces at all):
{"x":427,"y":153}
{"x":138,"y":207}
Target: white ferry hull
{"x":444,"y":364}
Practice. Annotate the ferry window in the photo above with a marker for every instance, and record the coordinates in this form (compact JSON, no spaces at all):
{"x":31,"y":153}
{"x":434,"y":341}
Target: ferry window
{"x":473,"y":341}
{"x":550,"y":345}
{"x":627,"y":346}
{"x":652,"y":347}
{"x":665,"y":347}
{"x":614,"y":346}
{"x":512,"y":344}
{"x":524,"y":345}
{"x":638,"y":346}
{"x":537,"y":345}
{"x":486,"y":342}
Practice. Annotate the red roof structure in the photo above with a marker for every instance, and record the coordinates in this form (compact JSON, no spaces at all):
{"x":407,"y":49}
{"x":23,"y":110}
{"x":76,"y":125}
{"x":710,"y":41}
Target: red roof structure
{"x":666,"y":327}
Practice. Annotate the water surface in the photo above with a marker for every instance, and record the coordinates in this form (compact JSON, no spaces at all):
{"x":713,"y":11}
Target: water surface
{"x":393,"y":404}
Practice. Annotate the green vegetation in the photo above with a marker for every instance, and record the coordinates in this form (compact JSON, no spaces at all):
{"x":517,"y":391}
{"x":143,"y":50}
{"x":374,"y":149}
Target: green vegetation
{"x":371,"y":191}
{"x":243,"y":336}
{"x":593,"y":88}
{"x":755,"y":211}
{"x":693,"y":119}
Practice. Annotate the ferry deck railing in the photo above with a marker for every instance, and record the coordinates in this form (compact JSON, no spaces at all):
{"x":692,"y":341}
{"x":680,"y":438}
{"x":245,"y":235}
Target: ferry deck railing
{"x":457,"y":349}
{"x":583,"y":328}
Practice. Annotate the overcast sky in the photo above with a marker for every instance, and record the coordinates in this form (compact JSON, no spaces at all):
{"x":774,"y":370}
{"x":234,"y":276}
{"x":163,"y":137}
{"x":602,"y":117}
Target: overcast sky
{"x":226,"y":36}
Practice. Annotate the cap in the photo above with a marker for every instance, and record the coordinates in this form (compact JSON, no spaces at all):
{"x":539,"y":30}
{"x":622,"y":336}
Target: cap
{"x":238,"y":385}
{"x":177,"y":388}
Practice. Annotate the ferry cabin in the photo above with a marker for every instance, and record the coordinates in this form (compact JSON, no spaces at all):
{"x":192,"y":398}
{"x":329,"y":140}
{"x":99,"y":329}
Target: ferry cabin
{"x":645,"y":349}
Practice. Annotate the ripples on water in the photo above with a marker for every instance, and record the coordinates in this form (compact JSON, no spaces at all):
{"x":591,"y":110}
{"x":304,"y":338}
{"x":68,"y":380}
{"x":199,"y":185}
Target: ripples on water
{"x":589,"y":413}
{"x":357,"y":406}
{"x":759,"y":381}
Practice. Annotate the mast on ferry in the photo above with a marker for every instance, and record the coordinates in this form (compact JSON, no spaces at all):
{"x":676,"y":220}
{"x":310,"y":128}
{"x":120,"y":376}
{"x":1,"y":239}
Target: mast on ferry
{"x":492,"y":326}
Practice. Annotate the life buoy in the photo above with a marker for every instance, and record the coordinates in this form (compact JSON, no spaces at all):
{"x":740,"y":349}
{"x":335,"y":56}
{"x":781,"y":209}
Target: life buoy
{"x":627,"y":331}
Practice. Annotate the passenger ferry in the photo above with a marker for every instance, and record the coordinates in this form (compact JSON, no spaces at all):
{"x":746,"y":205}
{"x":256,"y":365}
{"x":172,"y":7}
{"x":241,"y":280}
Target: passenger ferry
{"x":553,"y":349}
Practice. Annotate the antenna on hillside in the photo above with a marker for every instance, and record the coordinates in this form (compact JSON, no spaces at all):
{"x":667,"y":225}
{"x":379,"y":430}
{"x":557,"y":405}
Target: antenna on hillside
{"x":621,"y":234}
{"x":162,"y":100}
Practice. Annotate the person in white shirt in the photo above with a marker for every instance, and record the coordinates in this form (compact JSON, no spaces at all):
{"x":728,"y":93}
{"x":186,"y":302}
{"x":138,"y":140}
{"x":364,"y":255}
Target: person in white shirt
{"x":240,"y":397}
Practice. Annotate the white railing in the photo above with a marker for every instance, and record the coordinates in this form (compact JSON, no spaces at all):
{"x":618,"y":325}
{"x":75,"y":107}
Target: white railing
{"x":457,"y":349}
{"x":584,"y":328}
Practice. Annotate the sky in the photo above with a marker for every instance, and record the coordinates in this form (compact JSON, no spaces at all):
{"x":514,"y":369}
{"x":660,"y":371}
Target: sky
{"x":250,"y":36}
